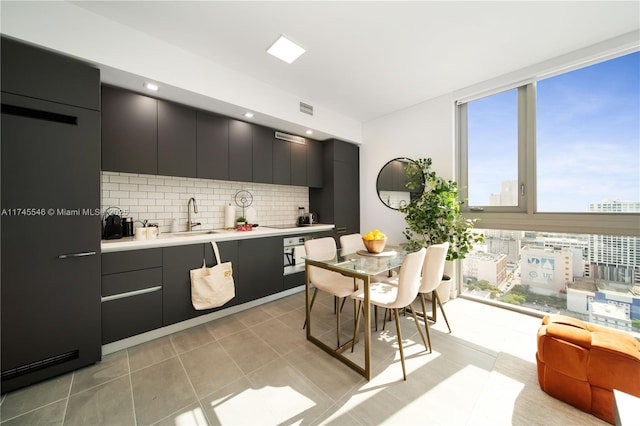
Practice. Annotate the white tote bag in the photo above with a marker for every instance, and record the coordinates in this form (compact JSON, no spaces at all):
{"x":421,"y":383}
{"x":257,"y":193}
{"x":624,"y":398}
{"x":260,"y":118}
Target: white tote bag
{"x":212,"y":287}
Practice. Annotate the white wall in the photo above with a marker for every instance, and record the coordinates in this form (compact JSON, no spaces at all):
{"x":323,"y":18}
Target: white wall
{"x":69,"y":29}
{"x":424,"y":130}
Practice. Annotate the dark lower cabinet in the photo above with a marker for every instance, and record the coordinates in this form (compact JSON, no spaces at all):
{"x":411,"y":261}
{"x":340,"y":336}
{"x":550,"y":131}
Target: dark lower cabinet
{"x":176,"y":281}
{"x":260,"y":264}
{"x":293,"y":280}
{"x":131,"y":293}
{"x":131,"y":315}
{"x":50,"y":294}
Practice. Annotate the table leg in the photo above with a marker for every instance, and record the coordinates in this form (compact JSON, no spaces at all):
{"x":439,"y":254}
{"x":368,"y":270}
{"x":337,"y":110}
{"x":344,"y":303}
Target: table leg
{"x":307,"y":289}
{"x":367,"y":329}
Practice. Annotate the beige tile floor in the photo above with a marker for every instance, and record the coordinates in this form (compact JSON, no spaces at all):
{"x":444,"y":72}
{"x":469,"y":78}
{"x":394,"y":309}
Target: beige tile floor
{"x":256,"y":368}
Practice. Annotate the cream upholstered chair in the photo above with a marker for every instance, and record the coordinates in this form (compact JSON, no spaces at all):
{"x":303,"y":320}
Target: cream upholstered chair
{"x":396,"y":297}
{"x":331,"y":282}
{"x":432,"y":273}
{"x":351,"y":243}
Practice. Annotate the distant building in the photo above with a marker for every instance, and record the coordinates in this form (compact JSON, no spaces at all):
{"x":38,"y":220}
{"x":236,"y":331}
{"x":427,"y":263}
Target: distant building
{"x":486,"y":266}
{"x":613,"y":257}
{"x":545,"y":270}
{"x":508,"y":195}
{"x":498,"y":241}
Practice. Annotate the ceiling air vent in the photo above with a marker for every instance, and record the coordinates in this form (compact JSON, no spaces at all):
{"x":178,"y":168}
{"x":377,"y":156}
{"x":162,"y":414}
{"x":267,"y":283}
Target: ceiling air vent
{"x":306,"y":108}
{"x":290,"y":138}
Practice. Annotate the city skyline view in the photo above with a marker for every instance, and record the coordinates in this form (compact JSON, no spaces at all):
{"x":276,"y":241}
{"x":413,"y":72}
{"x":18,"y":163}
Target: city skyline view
{"x":587,"y":138}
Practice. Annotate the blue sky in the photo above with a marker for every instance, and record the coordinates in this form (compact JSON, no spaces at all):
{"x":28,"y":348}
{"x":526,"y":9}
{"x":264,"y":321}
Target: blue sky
{"x":588,"y":138}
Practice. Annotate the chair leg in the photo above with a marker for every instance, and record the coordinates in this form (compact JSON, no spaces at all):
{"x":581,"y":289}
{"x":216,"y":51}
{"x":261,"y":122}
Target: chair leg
{"x":338,"y":327}
{"x":356,"y":330}
{"x":415,"y":318}
{"x":435,"y":294}
{"x":313,"y":299}
{"x":375,"y":315}
{"x":404,"y":372}
{"x":384,"y":318}
{"x":426,"y":320}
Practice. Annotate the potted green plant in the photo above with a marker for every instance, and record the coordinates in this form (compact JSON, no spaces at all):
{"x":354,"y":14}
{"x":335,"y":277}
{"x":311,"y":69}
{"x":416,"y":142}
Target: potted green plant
{"x":433,"y":216}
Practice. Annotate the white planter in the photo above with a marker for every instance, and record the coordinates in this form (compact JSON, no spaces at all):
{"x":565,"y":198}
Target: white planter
{"x":443,"y":290}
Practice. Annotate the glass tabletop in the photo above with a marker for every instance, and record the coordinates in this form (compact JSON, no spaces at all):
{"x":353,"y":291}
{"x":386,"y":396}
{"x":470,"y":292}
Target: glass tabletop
{"x":367,"y":264}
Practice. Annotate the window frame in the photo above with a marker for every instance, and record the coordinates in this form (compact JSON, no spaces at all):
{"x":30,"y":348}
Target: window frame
{"x":525,"y":216}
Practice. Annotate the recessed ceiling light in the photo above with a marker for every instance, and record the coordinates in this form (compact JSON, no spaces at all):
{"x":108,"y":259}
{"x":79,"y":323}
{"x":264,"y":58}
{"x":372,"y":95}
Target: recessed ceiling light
{"x":285,"y":50}
{"x":248,"y":114}
{"x":151,"y":86}
{"x":309,"y":132}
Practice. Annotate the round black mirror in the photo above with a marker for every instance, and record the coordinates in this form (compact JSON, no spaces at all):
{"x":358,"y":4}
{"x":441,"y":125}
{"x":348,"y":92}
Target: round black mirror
{"x":399,"y":182}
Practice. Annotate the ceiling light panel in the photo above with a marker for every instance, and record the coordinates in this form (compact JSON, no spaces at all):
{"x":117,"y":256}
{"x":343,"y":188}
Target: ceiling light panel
{"x":285,"y":50}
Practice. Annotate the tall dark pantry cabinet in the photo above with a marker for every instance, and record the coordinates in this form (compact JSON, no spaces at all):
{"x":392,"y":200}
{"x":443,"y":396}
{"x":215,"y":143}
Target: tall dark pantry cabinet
{"x":50,"y":223}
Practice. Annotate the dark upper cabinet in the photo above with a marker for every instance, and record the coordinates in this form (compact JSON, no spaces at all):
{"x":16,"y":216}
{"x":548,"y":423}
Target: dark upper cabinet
{"x":240,"y":151}
{"x":262,"y":154}
{"x":314,"y":164}
{"x":338,"y":201}
{"x":281,"y":162}
{"x":129,"y":132}
{"x":176,"y":140}
{"x":38,"y":73}
{"x":212,"y":146}
{"x":298,"y":164}
{"x":150,"y":136}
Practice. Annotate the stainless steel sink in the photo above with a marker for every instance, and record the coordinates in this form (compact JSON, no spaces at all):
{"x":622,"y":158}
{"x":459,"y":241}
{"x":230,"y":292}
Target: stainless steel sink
{"x":193,"y":233}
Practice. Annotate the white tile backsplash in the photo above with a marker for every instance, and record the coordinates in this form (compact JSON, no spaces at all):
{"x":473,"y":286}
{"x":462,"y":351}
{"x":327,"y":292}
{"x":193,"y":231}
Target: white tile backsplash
{"x":163,"y":198}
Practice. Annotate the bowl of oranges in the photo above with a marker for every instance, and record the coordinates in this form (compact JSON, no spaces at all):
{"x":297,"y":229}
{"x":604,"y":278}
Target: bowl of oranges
{"x":374,"y":241}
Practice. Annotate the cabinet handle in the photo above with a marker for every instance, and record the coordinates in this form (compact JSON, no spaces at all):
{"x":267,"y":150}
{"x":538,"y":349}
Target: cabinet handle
{"x":130,"y":293}
{"x":83,"y":254}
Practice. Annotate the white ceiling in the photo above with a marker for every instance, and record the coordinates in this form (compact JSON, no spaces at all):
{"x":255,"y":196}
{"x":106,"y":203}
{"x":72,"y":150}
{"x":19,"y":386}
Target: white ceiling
{"x":367,"y":59}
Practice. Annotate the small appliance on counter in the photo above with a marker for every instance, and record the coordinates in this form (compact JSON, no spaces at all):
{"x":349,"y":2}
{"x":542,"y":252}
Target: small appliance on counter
{"x":311,"y":218}
{"x":307,"y":219}
{"x":127,"y":227}
{"x":112,"y":228}
{"x":301,"y":216}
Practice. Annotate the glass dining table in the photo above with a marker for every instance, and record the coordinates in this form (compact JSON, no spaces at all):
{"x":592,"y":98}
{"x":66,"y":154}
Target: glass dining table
{"x":361,"y":266}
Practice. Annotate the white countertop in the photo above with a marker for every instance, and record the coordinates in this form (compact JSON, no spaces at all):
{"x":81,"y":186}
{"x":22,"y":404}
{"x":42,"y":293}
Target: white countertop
{"x":184,"y":238}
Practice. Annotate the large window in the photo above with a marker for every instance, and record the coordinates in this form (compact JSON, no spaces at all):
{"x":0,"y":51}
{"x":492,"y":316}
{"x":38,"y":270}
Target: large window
{"x":552,"y":171}
{"x":560,"y":153}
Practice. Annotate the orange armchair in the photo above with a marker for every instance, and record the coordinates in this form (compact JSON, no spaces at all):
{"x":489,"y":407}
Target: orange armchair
{"x":581,"y":363}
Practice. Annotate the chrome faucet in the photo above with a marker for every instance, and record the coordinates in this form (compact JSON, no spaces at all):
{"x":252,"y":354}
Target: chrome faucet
{"x":191,"y":224}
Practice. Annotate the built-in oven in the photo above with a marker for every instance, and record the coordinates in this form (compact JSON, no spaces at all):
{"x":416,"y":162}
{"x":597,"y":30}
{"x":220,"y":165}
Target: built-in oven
{"x":293,"y":248}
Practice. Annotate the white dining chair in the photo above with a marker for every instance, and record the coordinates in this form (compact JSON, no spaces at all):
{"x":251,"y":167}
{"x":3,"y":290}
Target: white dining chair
{"x":396,"y":297}
{"x":432,"y":272}
{"x":330,"y":282}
